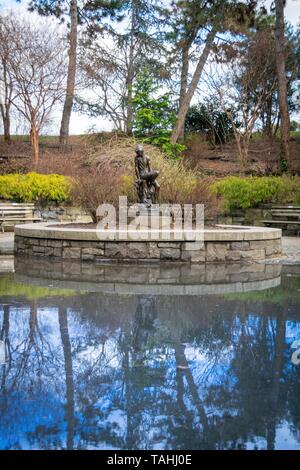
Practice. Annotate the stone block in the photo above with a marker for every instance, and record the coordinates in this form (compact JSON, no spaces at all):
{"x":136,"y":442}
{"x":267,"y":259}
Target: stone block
{"x":92,"y":252}
{"x":170,"y":254}
{"x":55,"y":243}
{"x":49,"y":251}
{"x":239,"y":277}
{"x":253,"y":254}
{"x":57,"y":252}
{"x":216,"y":273}
{"x":194,"y":246}
{"x":259,"y":244}
{"x":193,"y":256}
{"x":234,"y":255}
{"x":240,"y":245}
{"x":115,"y":249}
{"x":273,"y":250}
{"x":32,"y":241}
{"x":154,"y":251}
{"x":72,"y":253}
{"x":38,"y":249}
{"x":169,"y":245}
{"x":87,"y":257}
{"x":137,"y":250}
{"x":216,"y":252}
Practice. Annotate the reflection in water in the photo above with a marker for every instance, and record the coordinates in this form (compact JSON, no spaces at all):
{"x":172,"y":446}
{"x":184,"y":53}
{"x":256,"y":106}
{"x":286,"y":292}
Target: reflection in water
{"x":118,"y":371}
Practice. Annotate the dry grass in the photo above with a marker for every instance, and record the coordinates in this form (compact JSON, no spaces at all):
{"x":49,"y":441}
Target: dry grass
{"x":102,"y":168}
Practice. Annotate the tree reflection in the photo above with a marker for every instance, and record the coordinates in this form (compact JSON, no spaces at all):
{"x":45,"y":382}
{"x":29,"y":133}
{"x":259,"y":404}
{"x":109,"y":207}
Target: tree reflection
{"x":93,"y":371}
{"x":66,"y":344}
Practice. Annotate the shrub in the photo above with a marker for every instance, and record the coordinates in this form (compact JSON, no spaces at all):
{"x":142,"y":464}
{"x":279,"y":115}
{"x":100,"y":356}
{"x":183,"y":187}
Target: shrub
{"x":33,"y":187}
{"x":176,"y":181}
{"x":163,"y":141}
{"x":97,"y":187}
{"x":242,"y":193}
{"x":208,"y":119}
{"x":112,"y":167}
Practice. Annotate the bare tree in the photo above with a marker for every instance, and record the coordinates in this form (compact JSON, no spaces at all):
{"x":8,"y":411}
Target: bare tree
{"x":7,"y":89}
{"x":240,"y":88}
{"x":38,"y":67}
{"x":111,"y":63}
{"x":282,"y":81}
{"x":104,"y":71}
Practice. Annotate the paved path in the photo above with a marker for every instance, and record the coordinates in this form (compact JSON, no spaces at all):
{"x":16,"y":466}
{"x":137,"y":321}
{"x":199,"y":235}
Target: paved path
{"x":291,"y":246}
{"x":6,"y":243}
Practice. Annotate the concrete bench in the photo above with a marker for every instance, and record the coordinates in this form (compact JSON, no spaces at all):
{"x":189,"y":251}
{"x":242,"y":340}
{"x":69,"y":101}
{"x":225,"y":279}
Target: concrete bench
{"x":289,"y":225}
{"x":15,"y":213}
{"x":285,"y":217}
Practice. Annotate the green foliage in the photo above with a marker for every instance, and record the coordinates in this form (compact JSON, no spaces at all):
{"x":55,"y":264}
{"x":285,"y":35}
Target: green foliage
{"x":9,"y":287}
{"x":153,"y":113}
{"x":154,"y":116}
{"x":35,"y":187}
{"x":210,"y":120}
{"x":163,"y":141}
{"x":288,"y":291}
{"x":242,"y":193}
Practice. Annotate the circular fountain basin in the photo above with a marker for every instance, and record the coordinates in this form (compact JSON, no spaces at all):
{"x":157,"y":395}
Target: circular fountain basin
{"x":225,"y":243}
{"x":167,"y":279}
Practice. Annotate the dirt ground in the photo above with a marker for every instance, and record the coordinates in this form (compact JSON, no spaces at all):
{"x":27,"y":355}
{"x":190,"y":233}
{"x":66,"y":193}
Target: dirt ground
{"x":219,"y":160}
{"x":223,"y":160}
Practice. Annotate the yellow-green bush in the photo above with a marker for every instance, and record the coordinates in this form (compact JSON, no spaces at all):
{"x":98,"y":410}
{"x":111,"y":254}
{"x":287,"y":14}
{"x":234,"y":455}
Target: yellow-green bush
{"x":242,"y":193}
{"x":35,"y":187}
{"x":9,"y":287}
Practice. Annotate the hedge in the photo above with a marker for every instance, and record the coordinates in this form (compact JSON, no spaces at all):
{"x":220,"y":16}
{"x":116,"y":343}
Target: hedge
{"x":242,"y":193}
{"x":33,"y":187}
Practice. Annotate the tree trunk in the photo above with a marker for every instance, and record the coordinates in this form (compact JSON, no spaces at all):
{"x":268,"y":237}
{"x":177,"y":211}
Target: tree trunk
{"x":70,"y":400}
{"x":268,"y":125}
{"x":183,"y":363}
{"x":192,"y":88}
{"x":5,"y":106}
{"x":34,"y":138}
{"x":32,"y":320}
{"x":184,"y":81}
{"x":65,"y":121}
{"x":282,"y":82}
{"x":278,"y":363}
{"x":6,"y":122}
{"x":130,"y":72}
{"x":6,"y":128}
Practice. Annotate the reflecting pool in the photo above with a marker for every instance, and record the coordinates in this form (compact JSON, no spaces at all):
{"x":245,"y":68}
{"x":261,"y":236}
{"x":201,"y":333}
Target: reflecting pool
{"x":149,"y":358}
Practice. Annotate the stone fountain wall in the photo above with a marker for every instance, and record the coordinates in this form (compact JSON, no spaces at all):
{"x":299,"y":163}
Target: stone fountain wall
{"x":222,"y":249}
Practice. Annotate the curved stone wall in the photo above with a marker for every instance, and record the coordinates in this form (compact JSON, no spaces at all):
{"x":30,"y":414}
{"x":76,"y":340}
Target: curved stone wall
{"x":162,"y":280}
{"x":223,"y":244}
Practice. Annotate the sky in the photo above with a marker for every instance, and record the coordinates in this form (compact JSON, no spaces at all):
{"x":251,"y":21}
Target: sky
{"x":81,"y":124}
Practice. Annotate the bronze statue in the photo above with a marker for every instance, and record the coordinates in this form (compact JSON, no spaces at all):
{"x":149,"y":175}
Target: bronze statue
{"x":146,"y":185}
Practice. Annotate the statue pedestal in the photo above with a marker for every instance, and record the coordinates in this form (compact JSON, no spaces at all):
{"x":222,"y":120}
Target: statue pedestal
{"x":153,"y":217}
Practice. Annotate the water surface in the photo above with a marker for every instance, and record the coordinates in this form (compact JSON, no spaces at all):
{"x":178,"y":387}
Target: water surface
{"x":88,"y":367}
